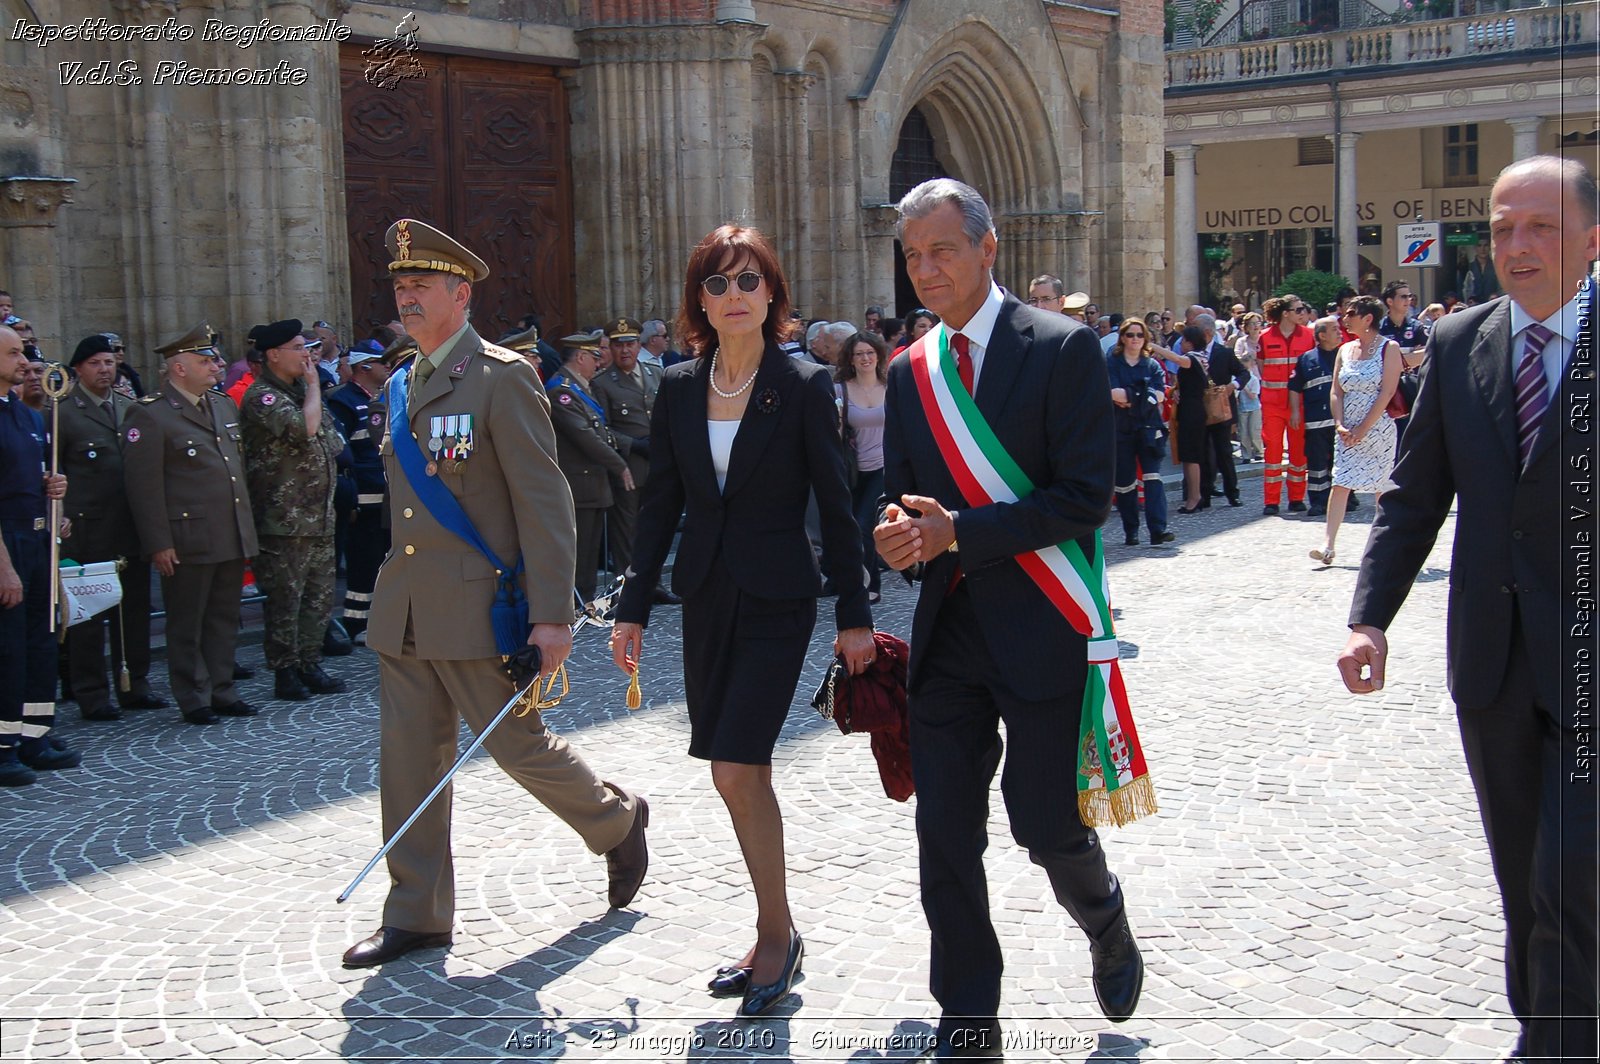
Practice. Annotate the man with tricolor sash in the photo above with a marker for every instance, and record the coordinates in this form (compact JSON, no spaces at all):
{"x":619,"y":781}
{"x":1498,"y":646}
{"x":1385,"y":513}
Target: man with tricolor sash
{"x":999,"y":455}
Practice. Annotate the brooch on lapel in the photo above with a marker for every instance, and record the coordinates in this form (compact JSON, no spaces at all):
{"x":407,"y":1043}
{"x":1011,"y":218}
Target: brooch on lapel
{"x":767,"y":401}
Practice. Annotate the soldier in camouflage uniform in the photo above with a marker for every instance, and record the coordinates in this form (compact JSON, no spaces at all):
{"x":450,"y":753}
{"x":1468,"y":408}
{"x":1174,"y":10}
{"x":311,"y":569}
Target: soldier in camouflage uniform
{"x":290,"y":446}
{"x":586,"y":451}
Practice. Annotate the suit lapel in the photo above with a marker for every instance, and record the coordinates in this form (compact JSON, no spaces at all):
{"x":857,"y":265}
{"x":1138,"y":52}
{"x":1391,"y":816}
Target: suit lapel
{"x":1491,"y":367}
{"x":1002,"y":362}
{"x":756,"y":427}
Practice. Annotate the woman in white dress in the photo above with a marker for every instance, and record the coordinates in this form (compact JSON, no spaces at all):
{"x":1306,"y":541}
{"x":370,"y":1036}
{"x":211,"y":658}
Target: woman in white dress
{"x":1366,"y":372}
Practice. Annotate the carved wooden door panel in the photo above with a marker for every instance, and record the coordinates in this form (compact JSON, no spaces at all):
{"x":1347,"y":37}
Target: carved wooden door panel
{"x":479,"y":149}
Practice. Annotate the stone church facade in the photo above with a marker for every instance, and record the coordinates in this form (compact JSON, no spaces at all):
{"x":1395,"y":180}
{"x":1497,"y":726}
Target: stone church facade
{"x":581,"y":146}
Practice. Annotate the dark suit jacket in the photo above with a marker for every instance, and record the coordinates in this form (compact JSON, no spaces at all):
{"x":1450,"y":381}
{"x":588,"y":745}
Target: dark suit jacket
{"x":1044,"y":391}
{"x":1461,"y":446}
{"x":97,"y":494}
{"x":1222,"y":366}
{"x":787,"y":446}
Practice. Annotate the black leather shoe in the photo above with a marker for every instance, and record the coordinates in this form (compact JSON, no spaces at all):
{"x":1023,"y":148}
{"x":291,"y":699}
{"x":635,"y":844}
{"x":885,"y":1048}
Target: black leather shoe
{"x":1118,"y":972}
{"x":321,"y":682}
{"x":289,"y":687}
{"x":627,"y":862}
{"x":1354,"y":503}
{"x":142,"y":700}
{"x":242,"y":673}
{"x":101,"y":713}
{"x":1270,"y":510}
{"x":1236,"y":501}
{"x":662,"y":597}
{"x":199,"y":716}
{"x":1297,"y":507}
{"x":48,"y":753}
{"x":759,"y":998}
{"x":1130,"y":541}
{"x":1217,"y":493}
{"x":237,"y":708}
{"x":1316,"y":512}
{"x":729,"y":981}
{"x":391,"y":943}
{"x":1165,"y":537}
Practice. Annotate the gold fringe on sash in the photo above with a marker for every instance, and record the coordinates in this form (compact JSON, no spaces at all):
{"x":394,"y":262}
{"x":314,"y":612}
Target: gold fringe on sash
{"x":1101,"y":808}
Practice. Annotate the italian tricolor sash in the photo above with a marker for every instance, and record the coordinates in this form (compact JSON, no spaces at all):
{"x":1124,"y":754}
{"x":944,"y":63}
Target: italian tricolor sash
{"x":1074,"y":584}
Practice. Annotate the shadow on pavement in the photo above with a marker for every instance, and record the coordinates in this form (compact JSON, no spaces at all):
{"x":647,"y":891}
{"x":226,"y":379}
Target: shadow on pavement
{"x":412,"y":1010}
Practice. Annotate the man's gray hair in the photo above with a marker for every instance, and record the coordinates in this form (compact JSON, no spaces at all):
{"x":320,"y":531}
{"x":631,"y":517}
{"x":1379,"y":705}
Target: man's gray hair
{"x":931,"y":195}
{"x":839,"y":331}
{"x":651,"y":329}
{"x":816,"y":327}
{"x":1329,"y":322}
{"x":1206,"y":322}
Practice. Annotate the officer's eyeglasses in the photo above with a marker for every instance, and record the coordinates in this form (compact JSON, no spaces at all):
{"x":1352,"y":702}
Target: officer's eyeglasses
{"x":717,"y":283}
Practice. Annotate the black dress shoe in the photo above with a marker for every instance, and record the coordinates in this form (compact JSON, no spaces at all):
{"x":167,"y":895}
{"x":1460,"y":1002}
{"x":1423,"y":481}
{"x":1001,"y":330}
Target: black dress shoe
{"x":1297,"y":507}
{"x":729,"y":981}
{"x":1235,"y":501}
{"x":242,"y":673}
{"x":1316,"y":512}
{"x":199,"y":716}
{"x":390,"y":943}
{"x":321,"y":682}
{"x":100,"y":713}
{"x":289,"y":687}
{"x":1164,"y":537}
{"x":1130,"y":541}
{"x":1270,"y":510}
{"x":142,"y":700}
{"x":662,"y":597}
{"x":48,"y":753}
{"x":1354,"y":503}
{"x":627,"y":862}
{"x":237,"y":708}
{"x":758,"y":998}
{"x":1118,"y":972}
{"x":1217,"y":493}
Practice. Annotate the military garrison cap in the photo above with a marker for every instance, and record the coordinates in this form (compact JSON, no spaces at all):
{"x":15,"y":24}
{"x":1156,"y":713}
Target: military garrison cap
{"x":623,"y":329}
{"x":200,"y":338}
{"x":415,"y":245}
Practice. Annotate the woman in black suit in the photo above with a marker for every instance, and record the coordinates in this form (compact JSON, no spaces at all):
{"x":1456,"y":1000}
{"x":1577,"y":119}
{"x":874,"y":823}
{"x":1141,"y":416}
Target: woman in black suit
{"x":740,"y":437}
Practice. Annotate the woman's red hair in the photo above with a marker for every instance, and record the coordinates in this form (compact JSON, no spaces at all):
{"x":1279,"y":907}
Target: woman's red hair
{"x":722,"y":249}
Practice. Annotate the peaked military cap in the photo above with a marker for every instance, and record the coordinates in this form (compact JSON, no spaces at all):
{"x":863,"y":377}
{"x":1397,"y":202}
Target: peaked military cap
{"x":1076,"y":303}
{"x":398,"y":349}
{"x":623,"y":329}
{"x":278,"y":333}
{"x":200,"y":338}
{"x":524,"y":341}
{"x":415,"y":245}
{"x":584,"y":341}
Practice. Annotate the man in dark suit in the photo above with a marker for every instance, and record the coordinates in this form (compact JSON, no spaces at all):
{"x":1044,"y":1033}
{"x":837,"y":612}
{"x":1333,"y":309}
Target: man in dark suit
{"x":986,"y":643}
{"x":1222,"y":367}
{"x":1491,"y":433}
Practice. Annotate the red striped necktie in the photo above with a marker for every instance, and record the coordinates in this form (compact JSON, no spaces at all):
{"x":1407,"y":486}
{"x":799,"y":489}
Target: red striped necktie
{"x":959,"y":344}
{"x":1532,"y":397}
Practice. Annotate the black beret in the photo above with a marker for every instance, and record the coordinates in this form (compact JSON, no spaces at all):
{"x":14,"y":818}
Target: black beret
{"x":90,"y":346}
{"x":266,"y":337}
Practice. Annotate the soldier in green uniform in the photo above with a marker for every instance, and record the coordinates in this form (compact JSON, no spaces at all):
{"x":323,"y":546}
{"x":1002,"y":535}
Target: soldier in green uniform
{"x":586,"y":451}
{"x":90,"y":444}
{"x":627,"y":393}
{"x":191,"y":506}
{"x":290,"y":447}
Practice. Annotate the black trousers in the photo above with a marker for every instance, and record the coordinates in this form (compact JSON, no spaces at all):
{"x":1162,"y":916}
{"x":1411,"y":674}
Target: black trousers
{"x":955,"y":750}
{"x":130,"y":643}
{"x":27,"y":649}
{"x":1319,"y":465}
{"x":1219,"y":459}
{"x":591,"y":523}
{"x":1541,"y":830}
{"x":366,"y":543}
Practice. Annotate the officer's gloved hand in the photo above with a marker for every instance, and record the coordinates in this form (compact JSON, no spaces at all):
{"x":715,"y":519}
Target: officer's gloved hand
{"x":523,"y":666}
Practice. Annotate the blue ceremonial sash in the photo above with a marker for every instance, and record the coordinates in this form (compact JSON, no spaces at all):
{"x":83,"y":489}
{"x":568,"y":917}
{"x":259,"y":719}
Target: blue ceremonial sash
{"x":509,"y":614}
{"x":560,"y":379}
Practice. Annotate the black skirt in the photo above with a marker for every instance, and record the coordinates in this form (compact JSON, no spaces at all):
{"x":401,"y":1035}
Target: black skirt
{"x":742,"y":656}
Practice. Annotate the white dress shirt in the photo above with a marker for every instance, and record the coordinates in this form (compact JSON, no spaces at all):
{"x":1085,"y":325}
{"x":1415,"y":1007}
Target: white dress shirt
{"x":1563,"y":323}
{"x":979,"y":331}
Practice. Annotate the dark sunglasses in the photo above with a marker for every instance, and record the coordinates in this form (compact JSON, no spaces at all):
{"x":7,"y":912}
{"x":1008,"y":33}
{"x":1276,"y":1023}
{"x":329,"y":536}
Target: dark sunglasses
{"x":1303,"y":309}
{"x":1130,"y":335}
{"x":717,"y":283}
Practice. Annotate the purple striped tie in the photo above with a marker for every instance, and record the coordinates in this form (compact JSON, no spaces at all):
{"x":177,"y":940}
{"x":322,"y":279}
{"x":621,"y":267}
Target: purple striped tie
{"x":1531,"y":397}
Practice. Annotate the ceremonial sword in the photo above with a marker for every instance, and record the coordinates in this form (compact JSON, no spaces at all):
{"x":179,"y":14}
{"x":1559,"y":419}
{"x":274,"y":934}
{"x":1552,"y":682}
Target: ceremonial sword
{"x":599,"y":614}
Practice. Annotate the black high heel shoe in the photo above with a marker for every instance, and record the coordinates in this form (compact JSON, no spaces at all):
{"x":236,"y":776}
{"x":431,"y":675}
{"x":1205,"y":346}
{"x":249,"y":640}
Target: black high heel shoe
{"x":729,"y":981}
{"x":759,"y":998}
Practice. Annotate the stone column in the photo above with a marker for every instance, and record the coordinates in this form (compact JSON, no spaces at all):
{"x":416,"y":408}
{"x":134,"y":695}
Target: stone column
{"x":1524,"y":137}
{"x":1181,"y":245}
{"x":30,"y":257}
{"x":1345,"y":216}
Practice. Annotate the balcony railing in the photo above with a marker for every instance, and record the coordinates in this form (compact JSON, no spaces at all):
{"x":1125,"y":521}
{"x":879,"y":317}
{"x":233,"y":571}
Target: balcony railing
{"x":1570,"y":25}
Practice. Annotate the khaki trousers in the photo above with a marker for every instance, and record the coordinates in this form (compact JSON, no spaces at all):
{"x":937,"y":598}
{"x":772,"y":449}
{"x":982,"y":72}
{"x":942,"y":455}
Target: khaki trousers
{"x":420,"y":702}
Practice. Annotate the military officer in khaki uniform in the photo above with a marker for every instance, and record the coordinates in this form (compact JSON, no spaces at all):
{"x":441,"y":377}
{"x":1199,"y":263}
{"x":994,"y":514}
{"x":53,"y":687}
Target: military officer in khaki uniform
{"x":191,"y":507}
{"x":627,"y":392}
{"x":482,"y":423}
{"x":585,"y":450}
{"x":90,"y":441}
{"x":291,"y":444}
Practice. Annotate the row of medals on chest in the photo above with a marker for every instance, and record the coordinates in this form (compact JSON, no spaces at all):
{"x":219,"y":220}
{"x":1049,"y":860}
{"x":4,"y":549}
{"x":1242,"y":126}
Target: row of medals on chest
{"x":450,"y":442}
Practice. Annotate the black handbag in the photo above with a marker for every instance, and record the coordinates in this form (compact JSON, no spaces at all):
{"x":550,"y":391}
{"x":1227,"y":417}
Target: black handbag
{"x":828,"y":691}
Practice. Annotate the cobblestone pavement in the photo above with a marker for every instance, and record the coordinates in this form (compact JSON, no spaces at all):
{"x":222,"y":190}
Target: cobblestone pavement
{"x":1315,"y":886}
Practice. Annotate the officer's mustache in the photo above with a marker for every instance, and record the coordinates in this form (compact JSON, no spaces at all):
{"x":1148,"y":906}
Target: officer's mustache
{"x":411,"y":309}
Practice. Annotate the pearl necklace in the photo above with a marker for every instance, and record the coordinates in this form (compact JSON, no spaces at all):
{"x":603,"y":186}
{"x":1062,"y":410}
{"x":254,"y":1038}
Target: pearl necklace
{"x":737,"y":391}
